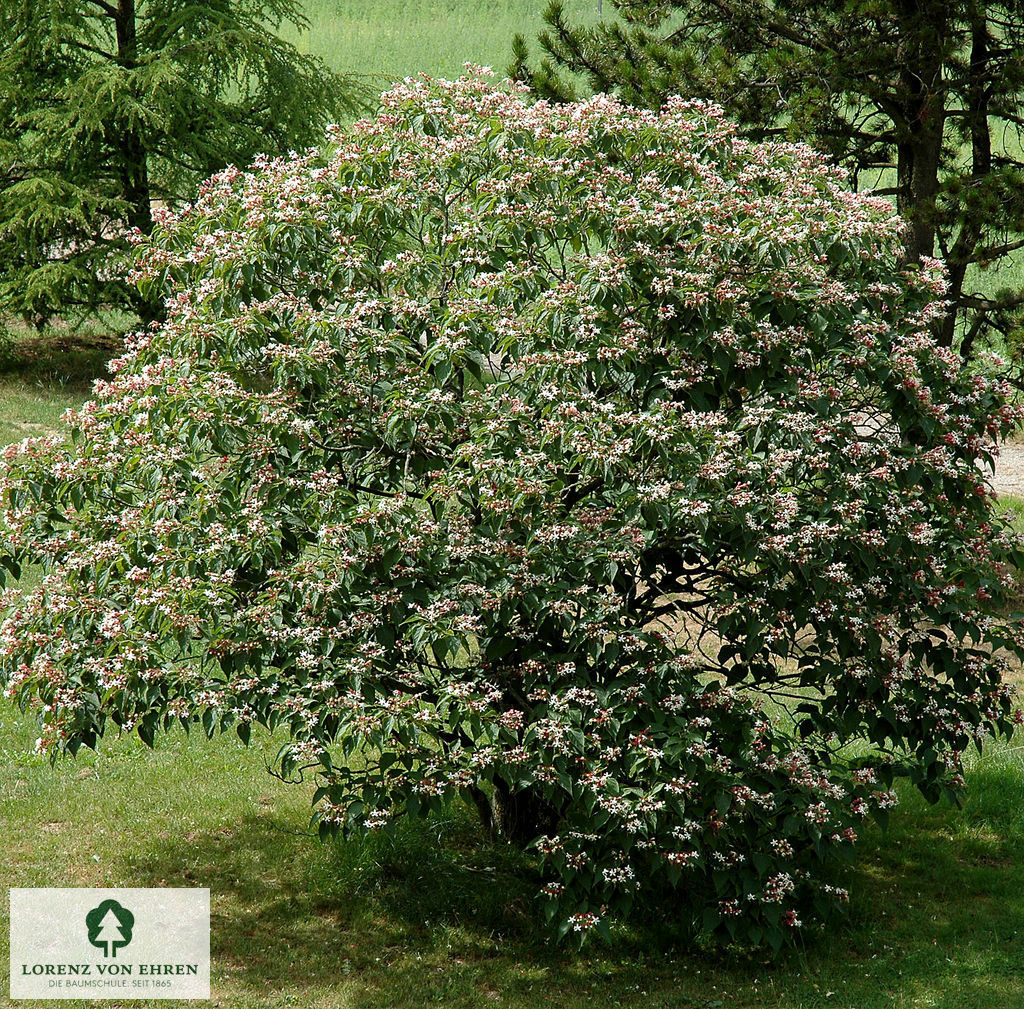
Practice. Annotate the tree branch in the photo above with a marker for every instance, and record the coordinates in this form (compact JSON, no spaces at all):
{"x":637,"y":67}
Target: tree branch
{"x":105,"y":7}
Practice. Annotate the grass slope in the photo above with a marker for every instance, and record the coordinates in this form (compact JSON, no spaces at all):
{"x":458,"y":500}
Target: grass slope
{"x":42,"y":376}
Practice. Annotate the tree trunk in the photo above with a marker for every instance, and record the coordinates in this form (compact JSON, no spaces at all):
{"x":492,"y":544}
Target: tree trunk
{"x":516,"y":817}
{"x":919,"y":144}
{"x":133,"y":156}
{"x":964,"y":250}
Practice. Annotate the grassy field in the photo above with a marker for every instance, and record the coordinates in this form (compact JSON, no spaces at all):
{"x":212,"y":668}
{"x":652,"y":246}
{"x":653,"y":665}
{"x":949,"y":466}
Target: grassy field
{"x":392,"y":39}
{"x":439,"y":918}
{"x":41,"y":377}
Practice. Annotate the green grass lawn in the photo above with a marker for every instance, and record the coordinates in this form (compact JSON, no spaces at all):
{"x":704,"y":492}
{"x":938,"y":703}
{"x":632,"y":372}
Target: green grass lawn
{"x":42,"y":376}
{"x":1013,"y":508}
{"x":437,"y":917}
{"x":392,"y":39}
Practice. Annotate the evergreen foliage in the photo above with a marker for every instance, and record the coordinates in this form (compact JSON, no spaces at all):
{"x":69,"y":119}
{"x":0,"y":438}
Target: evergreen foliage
{"x":108,"y":109}
{"x":925,"y":95}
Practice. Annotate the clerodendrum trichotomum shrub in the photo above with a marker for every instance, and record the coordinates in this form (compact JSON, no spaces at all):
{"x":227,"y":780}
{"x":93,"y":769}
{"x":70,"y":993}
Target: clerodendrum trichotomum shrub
{"x":589,"y":463}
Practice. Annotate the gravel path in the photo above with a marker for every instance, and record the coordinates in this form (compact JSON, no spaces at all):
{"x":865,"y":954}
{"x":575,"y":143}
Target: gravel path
{"x":1009,"y":475}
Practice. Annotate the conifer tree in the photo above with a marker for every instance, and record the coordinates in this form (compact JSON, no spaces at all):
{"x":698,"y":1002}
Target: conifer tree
{"x":924,"y":95}
{"x":109,"y":108}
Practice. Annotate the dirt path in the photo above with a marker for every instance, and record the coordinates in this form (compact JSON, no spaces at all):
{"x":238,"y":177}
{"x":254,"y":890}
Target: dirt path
{"x":1009,"y":475}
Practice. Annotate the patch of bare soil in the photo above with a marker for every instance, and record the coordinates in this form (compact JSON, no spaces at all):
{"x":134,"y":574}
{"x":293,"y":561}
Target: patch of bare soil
{"x":1009,"y":474}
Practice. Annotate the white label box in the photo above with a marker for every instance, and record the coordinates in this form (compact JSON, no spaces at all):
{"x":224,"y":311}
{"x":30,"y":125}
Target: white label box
{"x":110,"y":943}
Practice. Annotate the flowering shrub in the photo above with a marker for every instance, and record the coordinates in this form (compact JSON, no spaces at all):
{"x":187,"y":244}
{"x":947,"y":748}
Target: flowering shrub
{"x":586,"y":462}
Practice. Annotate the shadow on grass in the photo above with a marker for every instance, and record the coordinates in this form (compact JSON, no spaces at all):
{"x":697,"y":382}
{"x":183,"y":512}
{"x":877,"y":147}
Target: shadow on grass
{"x":66,"y":360}
{"x":284,"y":887}
{"x":434,"y":915}
{"x":437,"y":916}
{"x":939,"y":900}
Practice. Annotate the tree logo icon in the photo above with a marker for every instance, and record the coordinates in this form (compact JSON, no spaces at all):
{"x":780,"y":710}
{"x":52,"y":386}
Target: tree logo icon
{"x":110,"y":926}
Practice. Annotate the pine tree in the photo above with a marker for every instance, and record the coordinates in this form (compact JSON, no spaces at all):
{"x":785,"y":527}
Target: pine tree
{"x":926,"y":92}
{"x":110,"y":107}
{"x":110,"y":934}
